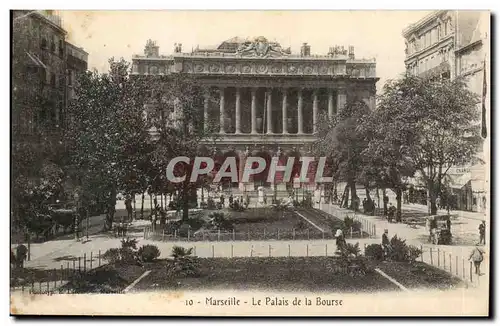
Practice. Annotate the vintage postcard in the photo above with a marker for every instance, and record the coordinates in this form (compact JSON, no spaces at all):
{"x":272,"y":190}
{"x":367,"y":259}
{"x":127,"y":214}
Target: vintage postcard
{"x":250,"y":163}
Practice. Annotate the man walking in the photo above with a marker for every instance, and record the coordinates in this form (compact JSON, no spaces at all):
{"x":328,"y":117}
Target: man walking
{"x":476,"y":256}
{"x":482,"y":233}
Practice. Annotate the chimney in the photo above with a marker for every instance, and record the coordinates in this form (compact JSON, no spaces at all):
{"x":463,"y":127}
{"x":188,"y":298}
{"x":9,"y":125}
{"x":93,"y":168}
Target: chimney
{"x":305,"y":50}
{"x":351,"y":52}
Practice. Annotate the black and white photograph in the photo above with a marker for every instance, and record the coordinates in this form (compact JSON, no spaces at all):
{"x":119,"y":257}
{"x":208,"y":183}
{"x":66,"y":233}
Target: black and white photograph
{"x":250,"y":163}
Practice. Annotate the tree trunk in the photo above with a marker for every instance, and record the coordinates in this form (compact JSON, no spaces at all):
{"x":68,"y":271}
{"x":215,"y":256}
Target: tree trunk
{"x":384,"y":193}
{"x":151,"y":202}
{"x":142,"y":205}
{"x":378,"y":198}
{"x":185,"y":203}
{"x":398,"y":205}
{"x":367,"y":192}
{"x":431,"y":198}
{"x":354,"y":195}
{"x":345,"y":197}
{"x":161,"y":200}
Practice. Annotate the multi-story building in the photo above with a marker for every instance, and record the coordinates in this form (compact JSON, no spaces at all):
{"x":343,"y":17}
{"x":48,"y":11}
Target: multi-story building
{"x":76,"y":63}
{"x":451,"y":44}
{"x":269,"y":99}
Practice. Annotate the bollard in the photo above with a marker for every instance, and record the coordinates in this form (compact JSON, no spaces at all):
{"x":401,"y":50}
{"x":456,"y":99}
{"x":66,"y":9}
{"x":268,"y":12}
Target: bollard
{"x":231,"y":250}
{"x":99,"y":257}
{"x":91,"y":258}
{"x":269,"y":250}
{"x":213,"y":251}
{"x":422,"y":254}
{"x":450,"y":263}
{"x":307,"y":250}
{"x":288,"y":250}
{"x":84,"y":262}
{"x":430,"y":250}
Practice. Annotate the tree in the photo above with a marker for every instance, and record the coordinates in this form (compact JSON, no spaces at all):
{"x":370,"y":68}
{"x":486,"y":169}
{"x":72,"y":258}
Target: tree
{"x":435,"y":121}
{"x":107,"y":136}
{"x":339,"y":139}
{"x":179,"y":100}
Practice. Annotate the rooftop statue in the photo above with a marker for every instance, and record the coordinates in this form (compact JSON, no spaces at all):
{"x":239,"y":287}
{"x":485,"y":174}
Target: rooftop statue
{"x":260,"y":47}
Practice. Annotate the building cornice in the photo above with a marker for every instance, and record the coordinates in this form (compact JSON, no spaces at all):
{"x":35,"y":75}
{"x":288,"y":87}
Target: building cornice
{"x":468,"y":46}
{"x":432,"y":48}
{"x":422,"y":22}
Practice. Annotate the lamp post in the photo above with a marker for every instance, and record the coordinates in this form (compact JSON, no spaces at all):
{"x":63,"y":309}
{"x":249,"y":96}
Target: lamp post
{"x":77,"y":200}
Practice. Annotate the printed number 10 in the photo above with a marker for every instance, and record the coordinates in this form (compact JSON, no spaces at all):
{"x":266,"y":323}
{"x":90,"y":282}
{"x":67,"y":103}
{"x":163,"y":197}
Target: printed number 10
{"x":189,"y":302}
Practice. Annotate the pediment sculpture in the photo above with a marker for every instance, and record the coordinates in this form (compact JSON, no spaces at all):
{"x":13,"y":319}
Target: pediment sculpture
{"x":260,"y":47}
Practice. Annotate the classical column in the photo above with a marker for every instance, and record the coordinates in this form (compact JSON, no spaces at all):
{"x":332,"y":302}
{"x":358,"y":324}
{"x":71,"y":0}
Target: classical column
{"x":330,"y":103}
{"x":205,"y":108}
{"x":300,"y":119}
{"x":284,"y":112}
{"x":269,"y":112}
{"x":238,"y":111}
{"x":315,"y":111}
{"x":341,"y":100}
{"x":222,"y":117}
{"x":254,"y":111}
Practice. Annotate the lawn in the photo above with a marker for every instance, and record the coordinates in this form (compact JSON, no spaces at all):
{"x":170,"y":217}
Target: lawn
{"x":317,"y":274}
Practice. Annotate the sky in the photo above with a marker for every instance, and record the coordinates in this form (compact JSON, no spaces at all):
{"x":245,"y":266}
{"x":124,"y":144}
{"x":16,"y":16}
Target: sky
{"x":374,"y":34}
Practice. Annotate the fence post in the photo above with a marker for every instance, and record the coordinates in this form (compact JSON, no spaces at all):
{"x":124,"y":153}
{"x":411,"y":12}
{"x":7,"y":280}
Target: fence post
{"x":293,"y":234}
{"x":307,"y":250}
{"x":450,"y":263}
{"x":374,"y":230}
{"x":213,"y":251}
{"x":84,"y":262}
{"x":48,"y":286}
{"x":231,"y":250}
{"x":251,"y":251}
{"x":55,"y":278}
{"x":99,"y":257}
{"x":234,"y":238}
{"x":278,"y":234}
{"x":91,"y":260}
{"x":62,"y":272}
{"x":189,"y":234}
{"x":163,"y":235}
{"x":326,"y":249}
{"x":218,"y":235}
{"x":79,"y":263}
{"x":40,"y":286}
{"x":438,"y":257}
{"x":422,"y":254}
{"x":456,"y":265}
{"x":470,"y":272}
{"x":308,"y":237}
{"x":32,"y":287}
{"x":67,"y":269}
{"x":269,"y":250}
{"x":264,"y":233}
{"x":430,"y":250}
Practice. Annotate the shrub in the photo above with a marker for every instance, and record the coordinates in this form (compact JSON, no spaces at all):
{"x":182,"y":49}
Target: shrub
{"x":184,"y":263}
{"x":112,"y":255}
{"x":350,"y":250}
{"x":148,"y":253}
{"x":172,"y":226}
{"x":301,"y":225}
{"x":184,"y":230}
{"x":219,"y":221}
{"x":374,"y":251}
{"x":413,"y":253}
{"x":398,"y":250}
{"x":129,"y":244}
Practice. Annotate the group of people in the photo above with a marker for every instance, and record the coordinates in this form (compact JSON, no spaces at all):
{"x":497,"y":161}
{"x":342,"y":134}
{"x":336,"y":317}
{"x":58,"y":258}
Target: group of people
{"x":241,"y":201}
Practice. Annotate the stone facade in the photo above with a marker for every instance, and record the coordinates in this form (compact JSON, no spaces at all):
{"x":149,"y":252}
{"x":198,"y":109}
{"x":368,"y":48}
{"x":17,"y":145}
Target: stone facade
{"x":269,"y":99}
{"x":451,"y":44}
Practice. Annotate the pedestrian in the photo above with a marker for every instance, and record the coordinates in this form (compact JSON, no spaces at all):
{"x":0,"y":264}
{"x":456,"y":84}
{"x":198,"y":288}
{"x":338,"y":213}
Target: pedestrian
{"x":386,"y":243}
{"x":386,"y":201}
{"x":476,"y":256}
{"x":390,"y":213}
{"x":231,"y":199}
{"x":340,"y":240}
{"x":128,"y":207}
{"x":482,"y":233}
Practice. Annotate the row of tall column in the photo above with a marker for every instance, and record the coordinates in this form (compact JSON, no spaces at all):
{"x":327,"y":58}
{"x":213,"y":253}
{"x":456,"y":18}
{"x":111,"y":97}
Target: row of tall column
{"x":341,"y":101}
